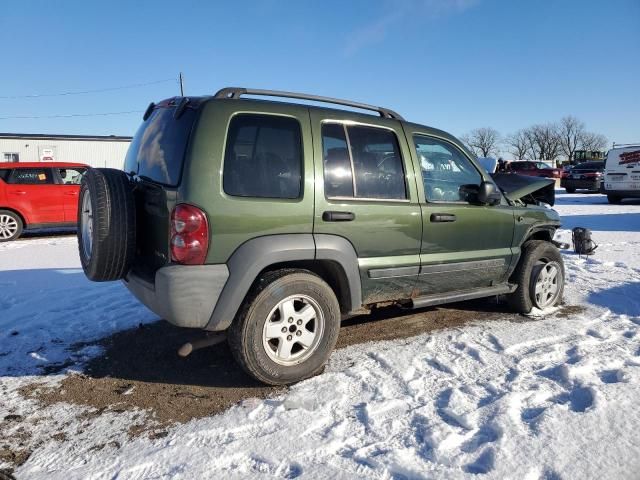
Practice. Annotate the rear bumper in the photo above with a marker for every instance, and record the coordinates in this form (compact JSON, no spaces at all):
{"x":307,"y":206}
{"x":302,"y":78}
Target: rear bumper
{"x":183,"y":295}
{"x":580,"y":184}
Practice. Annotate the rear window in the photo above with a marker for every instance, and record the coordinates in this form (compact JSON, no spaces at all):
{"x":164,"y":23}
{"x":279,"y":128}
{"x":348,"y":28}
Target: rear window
{"x":263,"y":157}
{"x":158,"y":148}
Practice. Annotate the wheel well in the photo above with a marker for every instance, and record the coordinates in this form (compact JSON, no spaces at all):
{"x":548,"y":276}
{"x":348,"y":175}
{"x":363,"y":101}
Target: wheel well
{"x":13,"y":210}
{"x":331,"y":272}
{"x":546,"y":235}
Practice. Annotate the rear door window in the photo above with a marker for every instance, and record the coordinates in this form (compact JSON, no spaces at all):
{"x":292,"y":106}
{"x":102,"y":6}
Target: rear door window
{"x":362,"y":162}
{"x":31,"y":176}
{"x":158,"y":148}
{"x":263,"y":157}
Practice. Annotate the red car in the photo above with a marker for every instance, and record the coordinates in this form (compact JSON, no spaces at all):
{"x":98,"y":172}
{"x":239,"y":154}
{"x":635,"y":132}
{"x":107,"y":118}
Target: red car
{"x":534,"y":169}
{"x":37,"y":195}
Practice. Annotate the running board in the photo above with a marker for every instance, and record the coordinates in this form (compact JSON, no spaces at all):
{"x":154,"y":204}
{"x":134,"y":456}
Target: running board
{"x":440,"y":298}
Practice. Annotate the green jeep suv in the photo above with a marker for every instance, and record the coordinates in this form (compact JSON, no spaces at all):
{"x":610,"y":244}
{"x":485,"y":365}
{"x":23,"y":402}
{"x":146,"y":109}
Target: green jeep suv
{"x":271,"y":221}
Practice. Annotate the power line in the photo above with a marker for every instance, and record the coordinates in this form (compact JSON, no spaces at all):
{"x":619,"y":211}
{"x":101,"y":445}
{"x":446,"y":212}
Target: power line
{"x":71,"y":115}
{"x":83,"y":92}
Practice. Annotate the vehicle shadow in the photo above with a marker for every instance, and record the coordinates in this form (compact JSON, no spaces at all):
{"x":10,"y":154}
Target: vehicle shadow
{"x":139,"y":368}
{"x":50,"y":318}
{"x":618,"y":222}
{"x":39,"y":233}
{"x":621,"y":299}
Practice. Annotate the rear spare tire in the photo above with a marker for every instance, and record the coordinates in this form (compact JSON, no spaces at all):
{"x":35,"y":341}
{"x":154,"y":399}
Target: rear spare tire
{"x":106,"y":224}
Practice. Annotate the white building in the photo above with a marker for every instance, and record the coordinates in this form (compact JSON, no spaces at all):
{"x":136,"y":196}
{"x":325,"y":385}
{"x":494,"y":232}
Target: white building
{"x":94,"y":150}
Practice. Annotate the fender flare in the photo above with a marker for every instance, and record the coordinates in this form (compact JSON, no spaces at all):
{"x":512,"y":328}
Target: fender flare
{"x":253,"y":256}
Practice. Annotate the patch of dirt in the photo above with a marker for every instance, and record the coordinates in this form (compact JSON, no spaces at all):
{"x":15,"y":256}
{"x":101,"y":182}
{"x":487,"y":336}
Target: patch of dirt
{"x":567,"y":311}
{"x":140,"y":368}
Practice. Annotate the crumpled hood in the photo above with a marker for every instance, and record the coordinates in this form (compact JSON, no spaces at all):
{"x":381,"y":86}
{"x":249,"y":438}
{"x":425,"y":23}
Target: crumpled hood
{"x":524,"y":188}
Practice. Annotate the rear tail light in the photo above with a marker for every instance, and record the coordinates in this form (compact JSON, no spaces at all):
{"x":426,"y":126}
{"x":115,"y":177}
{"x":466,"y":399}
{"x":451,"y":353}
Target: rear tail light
{"x":189,"y":235}
{"x":593,"y":174}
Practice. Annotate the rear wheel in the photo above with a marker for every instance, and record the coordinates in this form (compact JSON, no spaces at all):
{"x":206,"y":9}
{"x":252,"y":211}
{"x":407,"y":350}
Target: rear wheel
{"x":539,"y":276}
{"x":106,"y":224}
{"x":614,"y":199}
{"x":287,"y":327}
{"x":10,"y":225}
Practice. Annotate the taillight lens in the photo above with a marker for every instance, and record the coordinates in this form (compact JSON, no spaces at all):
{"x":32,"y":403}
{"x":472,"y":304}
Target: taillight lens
{"x":189,"y":235}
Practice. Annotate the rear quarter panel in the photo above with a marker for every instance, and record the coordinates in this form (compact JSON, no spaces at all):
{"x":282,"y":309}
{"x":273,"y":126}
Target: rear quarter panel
{"x":234,"y":220}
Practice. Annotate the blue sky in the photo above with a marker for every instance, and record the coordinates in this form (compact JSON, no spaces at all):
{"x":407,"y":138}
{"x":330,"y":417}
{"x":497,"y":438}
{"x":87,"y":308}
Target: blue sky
{"x":455,"y":65}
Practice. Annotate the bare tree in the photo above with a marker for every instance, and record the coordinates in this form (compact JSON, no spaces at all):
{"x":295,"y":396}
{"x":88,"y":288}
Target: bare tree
{"x":572,"y":134}
{"x":518,"y":144}
{"x":483,"y":141}
{"x":544,"y":142}
{"x":593,"y":142}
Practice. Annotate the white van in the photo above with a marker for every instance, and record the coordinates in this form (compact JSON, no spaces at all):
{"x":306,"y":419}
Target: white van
{"x":622,"y":172}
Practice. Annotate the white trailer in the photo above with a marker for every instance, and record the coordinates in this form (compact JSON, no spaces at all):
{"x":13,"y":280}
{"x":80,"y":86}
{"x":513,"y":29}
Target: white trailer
{"x":97,"y":151}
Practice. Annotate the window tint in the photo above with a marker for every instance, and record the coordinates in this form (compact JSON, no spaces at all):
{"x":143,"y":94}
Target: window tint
{"x":444,"y":170}
{"x":71,"y":176}
{"x":263,"y":157}
{"x":338,"y":178}
{"x":158,"y":147}
{"x":373,"y":154}
{"x":31,"y":176}
{"x":4,"y":174}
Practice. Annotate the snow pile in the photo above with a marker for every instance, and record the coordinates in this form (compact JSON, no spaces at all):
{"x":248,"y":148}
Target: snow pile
{"x":549,"y":397}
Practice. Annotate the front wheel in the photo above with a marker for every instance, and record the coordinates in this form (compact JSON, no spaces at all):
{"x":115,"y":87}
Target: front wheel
{"x":570,"y":190}
{"x":287,"y":327}
{"x":614,"y":199}
{"x":539,"y":276}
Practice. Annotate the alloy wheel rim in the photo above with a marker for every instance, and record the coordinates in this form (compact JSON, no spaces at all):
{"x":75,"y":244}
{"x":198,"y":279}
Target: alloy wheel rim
{"x":8,"y":226}
{"x":547,"y":283}
{"x":86,"y":225}
{"x":293,"y":330}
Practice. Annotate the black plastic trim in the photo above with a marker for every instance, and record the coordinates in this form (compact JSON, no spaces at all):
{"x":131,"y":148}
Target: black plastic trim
{"x":439,"y":299}
{"x":246,"y":263}
{"x":461,"y":266}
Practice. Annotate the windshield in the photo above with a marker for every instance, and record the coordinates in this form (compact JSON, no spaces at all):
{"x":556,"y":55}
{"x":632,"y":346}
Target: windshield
{"x":158,"y":148}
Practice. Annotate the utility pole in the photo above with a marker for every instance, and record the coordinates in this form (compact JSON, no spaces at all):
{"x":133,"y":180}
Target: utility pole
{"x":181,"y":85}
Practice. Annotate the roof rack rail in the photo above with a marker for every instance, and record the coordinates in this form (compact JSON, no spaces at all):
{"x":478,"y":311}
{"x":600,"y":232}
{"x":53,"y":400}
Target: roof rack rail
{"x":625,"y":144}
{"x":236,"y":92}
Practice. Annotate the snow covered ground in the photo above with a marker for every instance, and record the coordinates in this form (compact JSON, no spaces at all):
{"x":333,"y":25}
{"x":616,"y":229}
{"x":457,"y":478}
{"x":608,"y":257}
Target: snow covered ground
{"x":546,"y":398}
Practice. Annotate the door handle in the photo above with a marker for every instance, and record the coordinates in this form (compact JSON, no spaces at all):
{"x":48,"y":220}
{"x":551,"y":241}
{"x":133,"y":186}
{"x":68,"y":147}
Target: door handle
{"x":19,"y":192}
{"x":71,"y":193}
{"x":338,"y":216}
{"x":442,"y":217}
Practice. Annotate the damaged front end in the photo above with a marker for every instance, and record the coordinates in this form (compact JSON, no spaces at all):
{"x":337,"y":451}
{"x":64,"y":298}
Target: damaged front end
{"x":525,"y":189}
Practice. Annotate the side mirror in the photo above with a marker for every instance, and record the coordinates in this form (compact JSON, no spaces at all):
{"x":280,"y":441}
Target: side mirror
{"x":488,"y":194}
